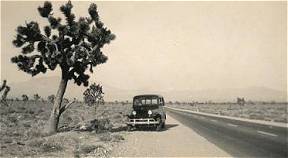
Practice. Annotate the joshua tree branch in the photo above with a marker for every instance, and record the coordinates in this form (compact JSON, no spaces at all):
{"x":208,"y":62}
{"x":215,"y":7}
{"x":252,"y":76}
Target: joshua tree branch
{"x":65,"y":107}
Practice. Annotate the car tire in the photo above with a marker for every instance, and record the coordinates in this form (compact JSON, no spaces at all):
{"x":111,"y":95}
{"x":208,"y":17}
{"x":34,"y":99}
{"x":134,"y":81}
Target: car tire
{"x":163,"y":125}
{"x":159,"y":126}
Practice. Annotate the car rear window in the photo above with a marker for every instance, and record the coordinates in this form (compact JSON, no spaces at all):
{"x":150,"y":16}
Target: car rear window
{"x":146,"y":101}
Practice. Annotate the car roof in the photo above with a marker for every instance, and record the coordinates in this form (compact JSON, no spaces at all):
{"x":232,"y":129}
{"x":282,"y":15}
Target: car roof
{"x":148,"y":96}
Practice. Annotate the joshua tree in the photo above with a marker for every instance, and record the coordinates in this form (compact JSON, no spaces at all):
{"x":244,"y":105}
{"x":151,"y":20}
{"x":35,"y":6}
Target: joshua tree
{"x":25,"y":97}
{"x":241,"y":101}
{"x":74,"y":47}
{"x":36,"y":97}
{"x":51,"y":98}
{"x":6,"y":90}
{"x":94,"y":95}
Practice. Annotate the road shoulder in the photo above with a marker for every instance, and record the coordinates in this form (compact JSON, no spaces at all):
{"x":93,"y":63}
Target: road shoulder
{"x":176,"y":140}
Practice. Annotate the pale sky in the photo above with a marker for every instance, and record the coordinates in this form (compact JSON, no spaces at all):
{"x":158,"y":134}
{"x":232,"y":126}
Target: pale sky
{"x":175,"y":45}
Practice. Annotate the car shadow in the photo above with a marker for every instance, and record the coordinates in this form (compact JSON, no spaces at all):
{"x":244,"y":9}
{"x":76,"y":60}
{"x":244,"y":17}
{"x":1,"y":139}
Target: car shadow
{"x":153,"y":129}
{"x":169,"y":126}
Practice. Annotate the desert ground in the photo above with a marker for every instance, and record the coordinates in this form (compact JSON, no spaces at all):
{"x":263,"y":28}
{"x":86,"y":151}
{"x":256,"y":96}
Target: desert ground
{"x":176,"y":140}
{"x":83,"y":131}
{"x":275,"y":112}
{"x":101,"y":132}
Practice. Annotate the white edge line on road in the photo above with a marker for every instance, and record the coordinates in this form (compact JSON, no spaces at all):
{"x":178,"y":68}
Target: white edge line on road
{"x":214,"y":120}
{"x":233,"y":125}
{"x":261,"y":122}
{"x":267,"y":133}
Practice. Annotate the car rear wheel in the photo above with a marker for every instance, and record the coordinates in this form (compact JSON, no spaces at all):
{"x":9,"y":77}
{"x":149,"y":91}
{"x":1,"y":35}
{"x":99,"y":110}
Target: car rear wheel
{"x":129,"y":128}
{"x":163,"y":125}
{"x":160,"y":126}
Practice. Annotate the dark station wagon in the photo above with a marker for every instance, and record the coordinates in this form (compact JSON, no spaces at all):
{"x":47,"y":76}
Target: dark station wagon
{"x":148,"y":110}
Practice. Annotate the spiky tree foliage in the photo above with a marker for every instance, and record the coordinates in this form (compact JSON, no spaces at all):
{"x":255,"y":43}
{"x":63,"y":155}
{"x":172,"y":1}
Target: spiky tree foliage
{"x":94,"y":95}
{"x":73,"y":46}
{"x":25,"y":97}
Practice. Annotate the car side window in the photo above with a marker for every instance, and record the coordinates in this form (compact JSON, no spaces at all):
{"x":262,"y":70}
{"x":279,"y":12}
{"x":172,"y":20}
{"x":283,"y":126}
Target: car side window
{"x":148,"y":101}
{"x":155,"y":101}
{"x":161,"y":101}
{"x":143,"y":102}
{"x":137,"y":102}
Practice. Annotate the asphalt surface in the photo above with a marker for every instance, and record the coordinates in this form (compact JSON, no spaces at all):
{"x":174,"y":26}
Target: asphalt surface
{"x":239,"y":139}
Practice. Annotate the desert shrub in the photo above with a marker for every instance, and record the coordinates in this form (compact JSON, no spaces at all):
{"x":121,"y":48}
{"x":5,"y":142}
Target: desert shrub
{"x":34,"y":132}
{"x":98,"y":125}
{"x":51,"y":147}
{"x":105,"y":137}
{"x":90,"y":150}
{"x":11,"y":110}
{"x":12,"y":119}
{"x":117,"y":138}
{"x":36,"y":97}
{"x":85,"y":149}
{"x":51,"y":98}
{"x":45,"y":145}
{"x":25,"y":97}
{"x":36,"y":142}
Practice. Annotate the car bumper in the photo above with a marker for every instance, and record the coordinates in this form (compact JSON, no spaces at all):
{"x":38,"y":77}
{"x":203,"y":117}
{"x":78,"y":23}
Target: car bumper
{"x":142,"y":121}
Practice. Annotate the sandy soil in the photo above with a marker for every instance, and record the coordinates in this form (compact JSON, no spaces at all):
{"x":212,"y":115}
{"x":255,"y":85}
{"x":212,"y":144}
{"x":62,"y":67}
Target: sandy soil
{"x":176,"y":140}
{"x":83,"y":131}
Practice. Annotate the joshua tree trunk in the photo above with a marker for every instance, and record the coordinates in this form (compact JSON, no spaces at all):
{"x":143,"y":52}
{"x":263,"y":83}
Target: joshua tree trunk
{"x":57,"y":111}
{"x":6,"y":91}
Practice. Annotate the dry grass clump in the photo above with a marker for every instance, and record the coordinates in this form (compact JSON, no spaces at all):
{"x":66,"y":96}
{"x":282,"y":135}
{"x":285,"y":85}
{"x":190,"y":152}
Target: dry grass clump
{"x":91,"y":151}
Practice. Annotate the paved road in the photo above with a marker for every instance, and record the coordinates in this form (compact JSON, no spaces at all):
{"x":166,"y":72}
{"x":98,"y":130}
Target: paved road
{"x":176,"y":140}
{"x":240,"y":139}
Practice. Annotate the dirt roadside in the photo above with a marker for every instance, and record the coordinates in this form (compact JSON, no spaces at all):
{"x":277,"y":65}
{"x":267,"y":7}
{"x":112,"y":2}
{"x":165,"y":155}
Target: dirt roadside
{"x":177,"y":140}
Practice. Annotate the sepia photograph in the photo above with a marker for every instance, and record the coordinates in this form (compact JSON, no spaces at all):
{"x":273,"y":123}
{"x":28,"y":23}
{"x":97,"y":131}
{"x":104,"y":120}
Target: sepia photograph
{"x":143,"y":79}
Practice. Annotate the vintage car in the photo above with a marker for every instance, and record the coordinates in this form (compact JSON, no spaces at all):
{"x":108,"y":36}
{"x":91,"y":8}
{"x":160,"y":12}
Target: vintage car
{"x":148,"y":110}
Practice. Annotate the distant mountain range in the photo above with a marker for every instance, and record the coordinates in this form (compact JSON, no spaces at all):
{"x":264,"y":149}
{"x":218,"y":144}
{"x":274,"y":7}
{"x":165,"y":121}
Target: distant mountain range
{"x":49,"y":85}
